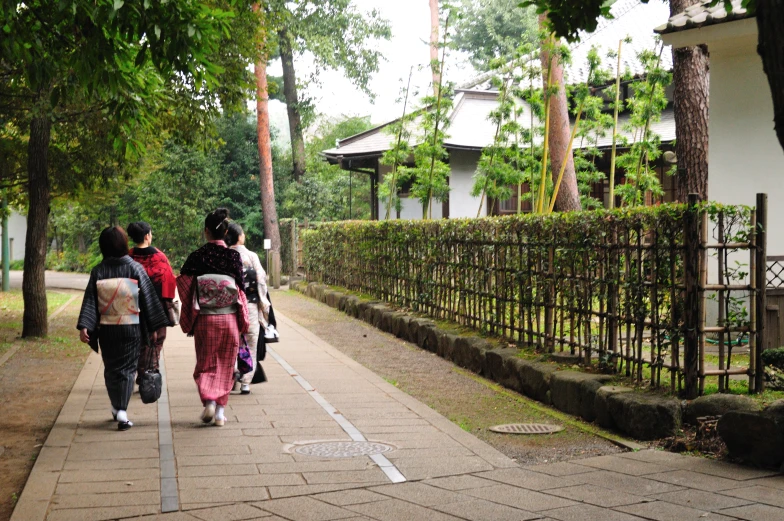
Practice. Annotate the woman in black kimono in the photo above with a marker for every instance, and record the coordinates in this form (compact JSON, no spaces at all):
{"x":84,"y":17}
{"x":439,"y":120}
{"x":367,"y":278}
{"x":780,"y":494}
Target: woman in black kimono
{"x":120,"y":307}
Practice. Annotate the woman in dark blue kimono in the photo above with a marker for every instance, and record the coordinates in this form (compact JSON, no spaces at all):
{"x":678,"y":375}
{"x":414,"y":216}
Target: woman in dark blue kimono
{"x":120,"y":310}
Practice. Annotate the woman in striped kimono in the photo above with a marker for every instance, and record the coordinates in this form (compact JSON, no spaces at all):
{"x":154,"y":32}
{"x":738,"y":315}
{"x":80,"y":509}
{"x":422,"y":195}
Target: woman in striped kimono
{"x":120,"y":311}
{"x":215,"y":312}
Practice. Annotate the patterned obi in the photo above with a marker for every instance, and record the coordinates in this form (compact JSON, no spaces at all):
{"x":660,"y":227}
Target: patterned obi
{"x":216,"y":294}
{"x":118,"y":301}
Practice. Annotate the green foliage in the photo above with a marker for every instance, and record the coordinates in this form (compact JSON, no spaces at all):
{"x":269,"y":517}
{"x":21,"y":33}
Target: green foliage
{"x":492,"y":29}
{"x":502,"y":165}
{"x":774,"y":357}
{"x":546,"y":281}
{"x":289,"y":233}
{"x":593,"y":125}
{"x":429,"y":176}
{"x":567,"y":17}
{"x":398,"y":155}
{"x":645,"y":108}
{"x":326,"y":192}
{"x":176,"y":186}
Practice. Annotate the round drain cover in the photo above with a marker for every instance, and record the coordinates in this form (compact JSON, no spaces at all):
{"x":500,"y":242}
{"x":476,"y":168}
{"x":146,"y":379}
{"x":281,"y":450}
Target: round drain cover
{"x":343,"y":449}
{"x":527,"y":428}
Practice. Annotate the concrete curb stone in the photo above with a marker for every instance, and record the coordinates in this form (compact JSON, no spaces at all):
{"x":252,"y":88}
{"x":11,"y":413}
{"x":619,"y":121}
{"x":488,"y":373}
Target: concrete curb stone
{"x":643,"y":416}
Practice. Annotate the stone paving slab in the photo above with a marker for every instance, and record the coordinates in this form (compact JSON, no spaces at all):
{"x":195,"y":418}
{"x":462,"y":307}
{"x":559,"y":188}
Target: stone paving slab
{"x":247,"y":470}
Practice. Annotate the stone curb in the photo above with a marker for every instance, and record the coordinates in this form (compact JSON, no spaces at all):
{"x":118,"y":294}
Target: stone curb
{"x":640,"y":415}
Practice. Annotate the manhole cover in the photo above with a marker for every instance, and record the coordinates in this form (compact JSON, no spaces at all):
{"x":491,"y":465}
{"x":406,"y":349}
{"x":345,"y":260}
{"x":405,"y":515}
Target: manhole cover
{"x":343,"y":449}
{"x":527,"y":428}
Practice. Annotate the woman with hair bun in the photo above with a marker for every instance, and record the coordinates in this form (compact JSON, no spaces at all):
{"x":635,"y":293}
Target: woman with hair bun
{"x":255,"y":280}
{"x":120,"y":313}
{"x":215,"y":312}
{"x":157,"y":266}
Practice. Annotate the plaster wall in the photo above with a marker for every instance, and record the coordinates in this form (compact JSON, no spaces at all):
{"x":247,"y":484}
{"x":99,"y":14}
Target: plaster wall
{"x":463,"y":164}
{"x":744,"y":155}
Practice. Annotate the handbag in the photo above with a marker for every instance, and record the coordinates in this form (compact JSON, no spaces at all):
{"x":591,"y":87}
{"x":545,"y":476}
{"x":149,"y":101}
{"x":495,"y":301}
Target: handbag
{"x":259,"y":377}
{"x":173,"y":309}
{"x":150,"y":382}
{"x":244,"y":358}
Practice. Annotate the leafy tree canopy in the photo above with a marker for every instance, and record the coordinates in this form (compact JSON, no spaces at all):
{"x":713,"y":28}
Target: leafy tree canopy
{"x":490,"y":29}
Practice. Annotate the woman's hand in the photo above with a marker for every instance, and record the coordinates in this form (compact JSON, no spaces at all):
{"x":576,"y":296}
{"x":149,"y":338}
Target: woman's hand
{"x":84,"y":336}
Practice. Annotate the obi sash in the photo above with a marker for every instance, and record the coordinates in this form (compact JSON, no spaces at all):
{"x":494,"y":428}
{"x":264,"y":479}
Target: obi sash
{"x":118,"y":301}
{"x":216,"y":294}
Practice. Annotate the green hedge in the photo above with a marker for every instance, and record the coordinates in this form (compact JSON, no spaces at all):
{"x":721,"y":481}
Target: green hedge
{"x":289,"y":232}
{"x":606,"y":282}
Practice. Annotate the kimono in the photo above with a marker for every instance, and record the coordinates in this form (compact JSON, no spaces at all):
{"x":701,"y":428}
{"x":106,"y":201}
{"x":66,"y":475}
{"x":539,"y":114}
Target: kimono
{"x":217,"y":329}
{"x":160,"y":272}
{"x":258,"y":304}
{"x":119,"y":309}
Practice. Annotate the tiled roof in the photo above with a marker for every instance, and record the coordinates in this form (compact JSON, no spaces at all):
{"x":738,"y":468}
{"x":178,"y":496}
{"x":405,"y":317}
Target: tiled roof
{"x":703,"y":14}
{"x":472,"y":128}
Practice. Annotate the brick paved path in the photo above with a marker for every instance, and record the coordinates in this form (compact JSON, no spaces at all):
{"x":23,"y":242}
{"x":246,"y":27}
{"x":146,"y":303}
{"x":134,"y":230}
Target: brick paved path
{"x":248,"y":469}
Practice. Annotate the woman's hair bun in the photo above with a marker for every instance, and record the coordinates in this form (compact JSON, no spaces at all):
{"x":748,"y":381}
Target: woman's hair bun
{"x":217,"y":222}
{"x":233,"y":234}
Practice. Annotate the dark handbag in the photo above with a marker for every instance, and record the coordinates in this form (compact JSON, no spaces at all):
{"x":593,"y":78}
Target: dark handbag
{"x":93,"y":343}
{"x":259,"y":377}
{"x":150,"y":381}
{"x":244,"y":358}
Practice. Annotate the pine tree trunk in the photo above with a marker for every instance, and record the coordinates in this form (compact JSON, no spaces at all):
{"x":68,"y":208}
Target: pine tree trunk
{"x":770,"y":24}
{"x":34,"y":322}
{"x":292,"y":104}
{"x":568,"y":197}
{"x":269,"y":212}
{"x":435,"y":22}
{"x":690,"y":82}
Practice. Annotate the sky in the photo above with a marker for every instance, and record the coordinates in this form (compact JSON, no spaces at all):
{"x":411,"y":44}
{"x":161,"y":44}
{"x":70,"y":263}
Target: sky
{"x":410,"y":24}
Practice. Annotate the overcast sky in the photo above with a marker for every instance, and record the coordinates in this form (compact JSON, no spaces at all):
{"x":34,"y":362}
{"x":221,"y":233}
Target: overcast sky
{"x":410,"y":22}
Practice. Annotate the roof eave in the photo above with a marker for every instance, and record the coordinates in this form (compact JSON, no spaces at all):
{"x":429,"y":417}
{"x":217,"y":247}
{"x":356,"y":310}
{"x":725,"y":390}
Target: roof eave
{"x":712,"y":34}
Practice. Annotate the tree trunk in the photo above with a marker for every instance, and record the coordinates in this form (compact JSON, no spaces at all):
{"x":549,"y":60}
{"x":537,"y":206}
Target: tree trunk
{"x":568,"y":197}
{"x":268,"y":210}
{"x":690,"y":82}
{"x":292,"y":104}
{"x":34,"y":322}
{"x":435,"y":22}
{"x":770,"y":24}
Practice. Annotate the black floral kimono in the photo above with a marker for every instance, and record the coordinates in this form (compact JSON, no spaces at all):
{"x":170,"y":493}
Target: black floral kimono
{"x":120,"y":307}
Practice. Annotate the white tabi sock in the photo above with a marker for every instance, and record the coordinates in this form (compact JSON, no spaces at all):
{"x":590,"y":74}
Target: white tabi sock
{"x":122,"y":416}
{"x":219,"y":413}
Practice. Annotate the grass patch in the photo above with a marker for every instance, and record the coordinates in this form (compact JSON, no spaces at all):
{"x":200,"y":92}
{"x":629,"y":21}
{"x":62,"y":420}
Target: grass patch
{"x":11,"y":311}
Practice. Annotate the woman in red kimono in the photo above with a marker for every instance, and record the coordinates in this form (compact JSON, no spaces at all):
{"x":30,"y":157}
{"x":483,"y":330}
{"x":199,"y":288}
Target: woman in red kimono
{"x":215,"y":312}
{"x":160,"y":272}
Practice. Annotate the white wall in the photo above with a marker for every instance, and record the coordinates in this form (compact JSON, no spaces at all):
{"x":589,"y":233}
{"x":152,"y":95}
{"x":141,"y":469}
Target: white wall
{"x":744,"y":156}
{"x":461,"y":203}
{"x":412,"y":208}
{"x":17,"y":232}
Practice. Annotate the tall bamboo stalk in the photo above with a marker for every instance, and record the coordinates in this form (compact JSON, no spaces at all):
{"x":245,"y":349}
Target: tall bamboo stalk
{"x":393,"y":188}
{"x":615,"y":126}
{"x":428,"y":210}
{"x":545,"y":146}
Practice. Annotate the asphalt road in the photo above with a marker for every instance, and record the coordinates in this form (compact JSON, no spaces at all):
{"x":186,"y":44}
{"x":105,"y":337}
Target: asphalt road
{"x":55,"y":280}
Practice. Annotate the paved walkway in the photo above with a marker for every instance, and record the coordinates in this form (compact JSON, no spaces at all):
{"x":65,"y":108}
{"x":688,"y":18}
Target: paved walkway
{"x":250,"y":469}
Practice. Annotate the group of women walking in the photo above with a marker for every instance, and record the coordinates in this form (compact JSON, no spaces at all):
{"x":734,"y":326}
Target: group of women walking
{"x":131,"y":298}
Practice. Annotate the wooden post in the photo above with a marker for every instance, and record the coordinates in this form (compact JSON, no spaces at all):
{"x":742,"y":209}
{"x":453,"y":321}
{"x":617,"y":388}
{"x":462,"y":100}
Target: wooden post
{"x":692,"y":318}
{"x":762,"y":282}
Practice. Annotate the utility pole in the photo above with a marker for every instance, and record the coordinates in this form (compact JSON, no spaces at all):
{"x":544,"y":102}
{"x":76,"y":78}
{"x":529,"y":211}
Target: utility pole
{"x":6,"y":248}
